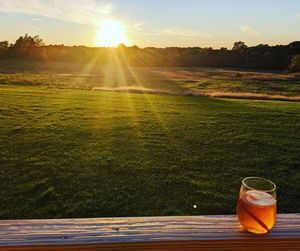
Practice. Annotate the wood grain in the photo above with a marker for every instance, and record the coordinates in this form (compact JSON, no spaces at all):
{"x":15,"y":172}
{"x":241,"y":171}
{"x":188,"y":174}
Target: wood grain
{"x":217,"y":232}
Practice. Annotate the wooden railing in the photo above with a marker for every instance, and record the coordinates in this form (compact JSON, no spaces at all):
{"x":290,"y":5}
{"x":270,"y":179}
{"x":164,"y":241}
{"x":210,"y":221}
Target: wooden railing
{"x":150,"y":233}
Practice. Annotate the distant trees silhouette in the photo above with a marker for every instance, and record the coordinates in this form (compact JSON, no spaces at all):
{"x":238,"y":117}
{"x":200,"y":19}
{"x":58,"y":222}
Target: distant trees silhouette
{"x":4,"y":45}
{"x":263,"y":56}
{"x":27,"y":41}
{"x":295,"y":63}
{"x":239,"y":47}
{"x":26,"y":46}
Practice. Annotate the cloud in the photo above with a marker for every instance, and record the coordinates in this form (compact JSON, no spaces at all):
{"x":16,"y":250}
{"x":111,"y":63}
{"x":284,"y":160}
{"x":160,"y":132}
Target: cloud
{"x":181,"y":34}
{"x":37,"y":28}
{"x":138,"y":26}
{"x":248,"y":30}
{"x":184,"y":34}
{"x":36,"y":19}
{"x":78,"y":11}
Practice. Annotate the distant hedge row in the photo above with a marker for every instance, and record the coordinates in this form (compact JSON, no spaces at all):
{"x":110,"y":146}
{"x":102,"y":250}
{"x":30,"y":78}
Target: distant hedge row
{"x":264,"y":57}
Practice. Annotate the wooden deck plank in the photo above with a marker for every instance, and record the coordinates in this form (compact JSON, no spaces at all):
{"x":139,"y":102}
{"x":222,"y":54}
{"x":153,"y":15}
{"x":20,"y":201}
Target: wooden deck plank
{"x":147,"y":233}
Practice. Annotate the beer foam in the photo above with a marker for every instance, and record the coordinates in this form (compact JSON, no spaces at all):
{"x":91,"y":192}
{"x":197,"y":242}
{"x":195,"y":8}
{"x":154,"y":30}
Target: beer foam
{"x":259,"y":198}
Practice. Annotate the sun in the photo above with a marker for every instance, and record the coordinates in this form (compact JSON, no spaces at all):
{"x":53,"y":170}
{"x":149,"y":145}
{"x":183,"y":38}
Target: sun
{"x":111,"y":34}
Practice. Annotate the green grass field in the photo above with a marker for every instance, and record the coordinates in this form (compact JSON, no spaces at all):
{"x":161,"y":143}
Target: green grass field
{"x":176,"y":81}
{"x":84,"y":153}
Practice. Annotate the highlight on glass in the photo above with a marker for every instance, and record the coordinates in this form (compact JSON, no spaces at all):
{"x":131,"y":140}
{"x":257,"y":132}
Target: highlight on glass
{"x":256,"y":209}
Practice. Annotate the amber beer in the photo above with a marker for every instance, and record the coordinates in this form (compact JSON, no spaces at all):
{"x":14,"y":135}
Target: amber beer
{"x":256,"y":209}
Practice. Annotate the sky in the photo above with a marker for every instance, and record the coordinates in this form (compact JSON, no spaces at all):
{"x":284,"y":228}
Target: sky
{"x":155,"y":23}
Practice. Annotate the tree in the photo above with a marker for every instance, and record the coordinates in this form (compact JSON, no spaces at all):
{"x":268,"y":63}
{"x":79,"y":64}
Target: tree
{"x":240,"y":47}
{"x":4,"y":46}
{"x":294,"y":47}
{"x":28,"y":47}
{"x":27,"y":41}
{"x":295,"y":63}
{"x":223,"y":49}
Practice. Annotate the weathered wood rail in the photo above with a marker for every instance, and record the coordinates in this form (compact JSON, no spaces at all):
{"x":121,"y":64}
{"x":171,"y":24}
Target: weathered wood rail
{"x":148,"y":233}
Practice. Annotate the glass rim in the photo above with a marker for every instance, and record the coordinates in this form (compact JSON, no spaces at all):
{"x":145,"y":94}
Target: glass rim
{"x":259,"y":178}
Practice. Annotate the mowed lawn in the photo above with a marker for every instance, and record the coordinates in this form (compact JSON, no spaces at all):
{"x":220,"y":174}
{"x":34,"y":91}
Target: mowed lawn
{"x":81,"y":153}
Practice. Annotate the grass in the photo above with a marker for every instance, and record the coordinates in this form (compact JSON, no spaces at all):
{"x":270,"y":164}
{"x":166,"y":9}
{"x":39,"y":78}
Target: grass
{"x":176,"y":81}
{"x":84,"y":153}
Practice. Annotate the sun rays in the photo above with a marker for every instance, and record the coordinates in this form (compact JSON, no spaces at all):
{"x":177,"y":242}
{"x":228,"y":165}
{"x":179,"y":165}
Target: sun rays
{"x":117,"y":74}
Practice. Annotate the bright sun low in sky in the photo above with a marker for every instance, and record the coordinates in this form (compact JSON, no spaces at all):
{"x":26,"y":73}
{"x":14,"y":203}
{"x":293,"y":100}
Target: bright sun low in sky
{"x":155,"y":23}
{"x":111,"y":34}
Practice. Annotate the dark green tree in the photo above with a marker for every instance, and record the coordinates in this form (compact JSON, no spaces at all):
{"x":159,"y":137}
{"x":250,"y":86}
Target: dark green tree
{"x":239,"y":47}
{"x":295,"y":63}
{"x":4,"y":46}
{"x":28,"y":41}
{"x":28,"y":47}
{"x":294,"y":47}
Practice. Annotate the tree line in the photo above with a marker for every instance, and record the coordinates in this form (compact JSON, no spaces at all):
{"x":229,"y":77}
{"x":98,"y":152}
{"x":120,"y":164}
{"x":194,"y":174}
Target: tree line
{"x":260,"y":57}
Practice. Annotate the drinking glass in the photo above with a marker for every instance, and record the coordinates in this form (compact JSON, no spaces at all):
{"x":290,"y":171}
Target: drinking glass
{"x":256,"y":209}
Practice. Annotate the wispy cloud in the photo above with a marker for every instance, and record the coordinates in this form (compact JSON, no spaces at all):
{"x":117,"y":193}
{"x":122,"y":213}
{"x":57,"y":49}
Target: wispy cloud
{"x":138,"y":26}
{"x":37,"y":28}
{"x":248,"y":30}
{"x":188,"y":35}
{"x":36,"y":19}
{"x":78,"y":11}
{"x":183,"y":34}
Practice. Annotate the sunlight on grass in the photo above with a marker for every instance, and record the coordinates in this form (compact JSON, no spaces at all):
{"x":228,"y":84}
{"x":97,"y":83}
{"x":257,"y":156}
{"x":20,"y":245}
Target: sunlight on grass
{"x":148,"y":99}
{"x":94,"y":153}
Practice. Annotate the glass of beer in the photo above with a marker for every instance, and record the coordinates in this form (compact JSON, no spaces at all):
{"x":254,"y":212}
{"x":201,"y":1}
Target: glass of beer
{"x":256,"y":209}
